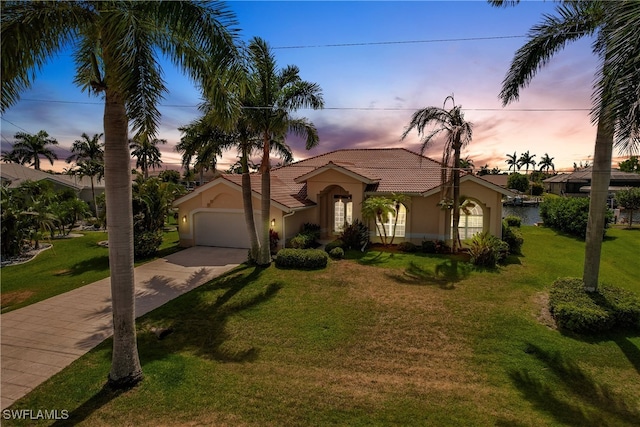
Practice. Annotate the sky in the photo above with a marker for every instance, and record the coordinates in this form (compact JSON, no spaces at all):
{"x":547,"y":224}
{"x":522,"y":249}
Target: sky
{"x":377,"y":63}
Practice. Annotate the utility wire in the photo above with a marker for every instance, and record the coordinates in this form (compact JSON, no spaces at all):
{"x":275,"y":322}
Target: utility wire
{"x":325,"y":108}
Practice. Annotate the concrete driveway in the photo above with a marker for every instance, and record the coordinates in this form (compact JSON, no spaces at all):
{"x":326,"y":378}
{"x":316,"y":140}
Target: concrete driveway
{"x":40,"y":340}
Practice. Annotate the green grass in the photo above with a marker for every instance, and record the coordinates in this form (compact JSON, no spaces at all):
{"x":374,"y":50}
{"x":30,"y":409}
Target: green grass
{"x":69,"y":264}
{"x":380,"y":339}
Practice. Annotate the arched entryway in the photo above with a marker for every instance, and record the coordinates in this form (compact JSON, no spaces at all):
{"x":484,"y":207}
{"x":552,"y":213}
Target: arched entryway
{"x":336,"y":210}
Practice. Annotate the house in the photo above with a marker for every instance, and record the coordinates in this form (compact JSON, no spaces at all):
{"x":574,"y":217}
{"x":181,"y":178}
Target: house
{"x":13,"y":174}
{"x":329,"y":190}
{"x":578,"y":184}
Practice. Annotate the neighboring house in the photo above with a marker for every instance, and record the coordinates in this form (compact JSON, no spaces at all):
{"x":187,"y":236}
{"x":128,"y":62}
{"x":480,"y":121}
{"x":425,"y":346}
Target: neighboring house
{"x":328,"y":190}
{"x":499,"y":180}
{"x":578,"y":184}
{"x":13,"y":174}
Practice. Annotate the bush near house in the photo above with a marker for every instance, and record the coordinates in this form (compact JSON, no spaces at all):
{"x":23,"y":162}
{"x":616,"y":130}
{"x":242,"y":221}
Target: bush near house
{"x":407,"y":247}
{"x":355,"y":236}
{"x":307,"y":238}
{"x":335,"y":244}
{"x":513,"y":221}
{"x":336,"y":253}
{"x":588,"y":313}
{"x":309,"y":259}
{"x":487,"y":250}
{"x":513,"y":237}
{"x":568,"y":215}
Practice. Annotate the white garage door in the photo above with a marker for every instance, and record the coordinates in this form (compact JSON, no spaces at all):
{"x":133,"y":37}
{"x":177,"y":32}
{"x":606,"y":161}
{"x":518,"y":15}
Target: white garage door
{"x":224,"y":229}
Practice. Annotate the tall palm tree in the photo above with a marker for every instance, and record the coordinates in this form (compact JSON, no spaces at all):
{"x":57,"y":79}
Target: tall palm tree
{"x":615,"y":98}
{"x":11,"y":156}
{"x":115,"y":46}
{"x":526,"y":160}
{"x":546,"y":163}
{"x":458,"y":133}
{"x":513,"y":162}
{"x":145,"y":149}
{"x":88,"y":153}
{"x":272,"y":96}
{"x":28,"y":148}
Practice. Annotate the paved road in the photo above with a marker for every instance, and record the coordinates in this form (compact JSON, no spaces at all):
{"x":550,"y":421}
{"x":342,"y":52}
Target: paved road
{"x":41,"y":339}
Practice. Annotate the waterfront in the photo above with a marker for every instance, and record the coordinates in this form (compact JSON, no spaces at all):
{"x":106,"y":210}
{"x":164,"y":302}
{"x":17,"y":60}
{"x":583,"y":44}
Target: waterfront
{"x":531,"y":214}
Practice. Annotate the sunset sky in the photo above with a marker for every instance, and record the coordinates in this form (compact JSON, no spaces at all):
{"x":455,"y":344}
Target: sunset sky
{"x":377,"y":62}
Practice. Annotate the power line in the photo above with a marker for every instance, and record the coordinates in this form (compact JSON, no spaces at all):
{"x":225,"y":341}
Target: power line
{"x":462,"y":39}
{"x":328,"y":108}
{"x":13,"y":124}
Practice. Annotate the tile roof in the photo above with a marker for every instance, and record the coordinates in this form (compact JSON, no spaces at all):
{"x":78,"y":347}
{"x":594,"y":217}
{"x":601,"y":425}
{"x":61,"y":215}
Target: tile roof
{"x":16,"y":174}
{"x":392,"y":170}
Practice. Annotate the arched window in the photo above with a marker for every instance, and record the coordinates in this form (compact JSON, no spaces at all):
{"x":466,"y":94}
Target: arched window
{"x":400,"y":225}
{"x":342,"y":213}
{"x":471,"y":221}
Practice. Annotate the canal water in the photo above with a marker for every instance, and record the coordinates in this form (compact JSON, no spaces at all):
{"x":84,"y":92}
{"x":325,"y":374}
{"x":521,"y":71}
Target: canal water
{"x":531,"y":214}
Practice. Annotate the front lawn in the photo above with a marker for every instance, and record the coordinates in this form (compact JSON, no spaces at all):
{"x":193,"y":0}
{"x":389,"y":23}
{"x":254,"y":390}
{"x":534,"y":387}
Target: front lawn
{"x":69,"y":264}
{"x":384,"y":339}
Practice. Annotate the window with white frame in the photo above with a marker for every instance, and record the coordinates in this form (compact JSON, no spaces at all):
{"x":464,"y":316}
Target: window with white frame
{"x":471,"y":222}
{"x":342,"y":212}
{"x":390,"y":223}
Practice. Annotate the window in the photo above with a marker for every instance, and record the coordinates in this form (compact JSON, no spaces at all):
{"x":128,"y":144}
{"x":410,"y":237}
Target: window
{"x":342,"y":213}
{"x":400,"y":226}
{"x":471,"y":222}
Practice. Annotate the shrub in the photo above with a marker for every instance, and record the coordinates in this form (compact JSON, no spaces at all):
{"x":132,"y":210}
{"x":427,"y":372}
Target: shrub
{"x":311,"y":230}
{"x":355,"y":235}
{"x":513,"y":221}
{"x":609,"y":308}
{"x":301,"y":258}
{"x":335,"y":244}
{"x":146,"y":243}
{"x":407,"y":247}
{"x":569,"y":215}
{"x":486,"y":250}
{"x":301,"y":241}
{"x":273,"y":240}
{"x":337,"y":253}
{"x":513,"y":237}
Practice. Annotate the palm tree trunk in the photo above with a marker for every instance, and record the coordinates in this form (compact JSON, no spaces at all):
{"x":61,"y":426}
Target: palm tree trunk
{"x":125,"y":364}
{"x":247,"y":202}
{"x":93,"y":195}
{"x":265,"y":251}
{"x":456,"y":198}
{"x":600,"y":177}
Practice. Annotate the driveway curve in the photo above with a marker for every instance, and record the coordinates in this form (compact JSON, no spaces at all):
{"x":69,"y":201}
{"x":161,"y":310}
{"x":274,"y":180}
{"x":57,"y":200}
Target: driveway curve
{"x":41,"y":339}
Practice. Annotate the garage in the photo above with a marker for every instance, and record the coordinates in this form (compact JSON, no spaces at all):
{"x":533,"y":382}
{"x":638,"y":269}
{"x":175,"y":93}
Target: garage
{"x":223,"y":229}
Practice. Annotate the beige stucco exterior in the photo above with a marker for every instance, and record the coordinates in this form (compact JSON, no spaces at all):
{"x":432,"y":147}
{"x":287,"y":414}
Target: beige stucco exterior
{"x":425,"y":219}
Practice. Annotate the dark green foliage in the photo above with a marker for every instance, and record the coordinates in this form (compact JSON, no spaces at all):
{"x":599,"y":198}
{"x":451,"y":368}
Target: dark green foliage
{"x":407,"y":247}
{"x":537,"y":189}
{"x":435,"y":247}
{"x":335,"y":244}
{"x":336,"y":253}
{"x":569,"y":215}
{"x":355,"y":235}
{"x":513,"y":237}
{"x":583,"y":312}
{"x":169,"y":176}
{"x":146,"y":243}
{"x":312,"y":230}
{"x":487,"y":250}
{"x":309,"y":259}
{"x":518,"y":182}
{"x":307,"y":238}
{"x":513,"y":221}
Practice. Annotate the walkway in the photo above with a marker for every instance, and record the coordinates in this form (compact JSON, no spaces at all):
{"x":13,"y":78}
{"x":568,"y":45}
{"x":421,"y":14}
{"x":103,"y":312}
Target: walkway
{"x":40,"y":340}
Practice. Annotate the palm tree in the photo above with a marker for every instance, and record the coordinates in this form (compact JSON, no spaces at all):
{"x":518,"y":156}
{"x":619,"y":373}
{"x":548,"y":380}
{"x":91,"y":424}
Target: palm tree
{"x":115,"y":46}
{"x":546,"y":163}
{"x":145,"y":149}
{"x":526,"y":159}
{"x":88,"y":153}
{"x":11,"y":156}
{"x":28,"y":148}
{"x":615,"y":98}
{"x":513,"y":162}
{"x":458,"y":134}
{"x":272,"y":96}
{"x":467,"y":165}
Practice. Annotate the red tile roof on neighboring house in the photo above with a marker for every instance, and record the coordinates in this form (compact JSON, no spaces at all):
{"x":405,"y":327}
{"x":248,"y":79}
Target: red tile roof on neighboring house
{"x":387,"y":170}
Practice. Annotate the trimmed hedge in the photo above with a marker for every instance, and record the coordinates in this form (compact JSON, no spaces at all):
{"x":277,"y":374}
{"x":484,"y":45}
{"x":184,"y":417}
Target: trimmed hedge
{"x":301,"y":258}
{"x":407,"y":247}
{"x":336,"y":253}
{"x":335,"y":244}
{"x":512,"y":221}
{"x":513,"y":237}
{"x":582,"y":312}
{"x":569,"y":215}
{"x":146,"y":244}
